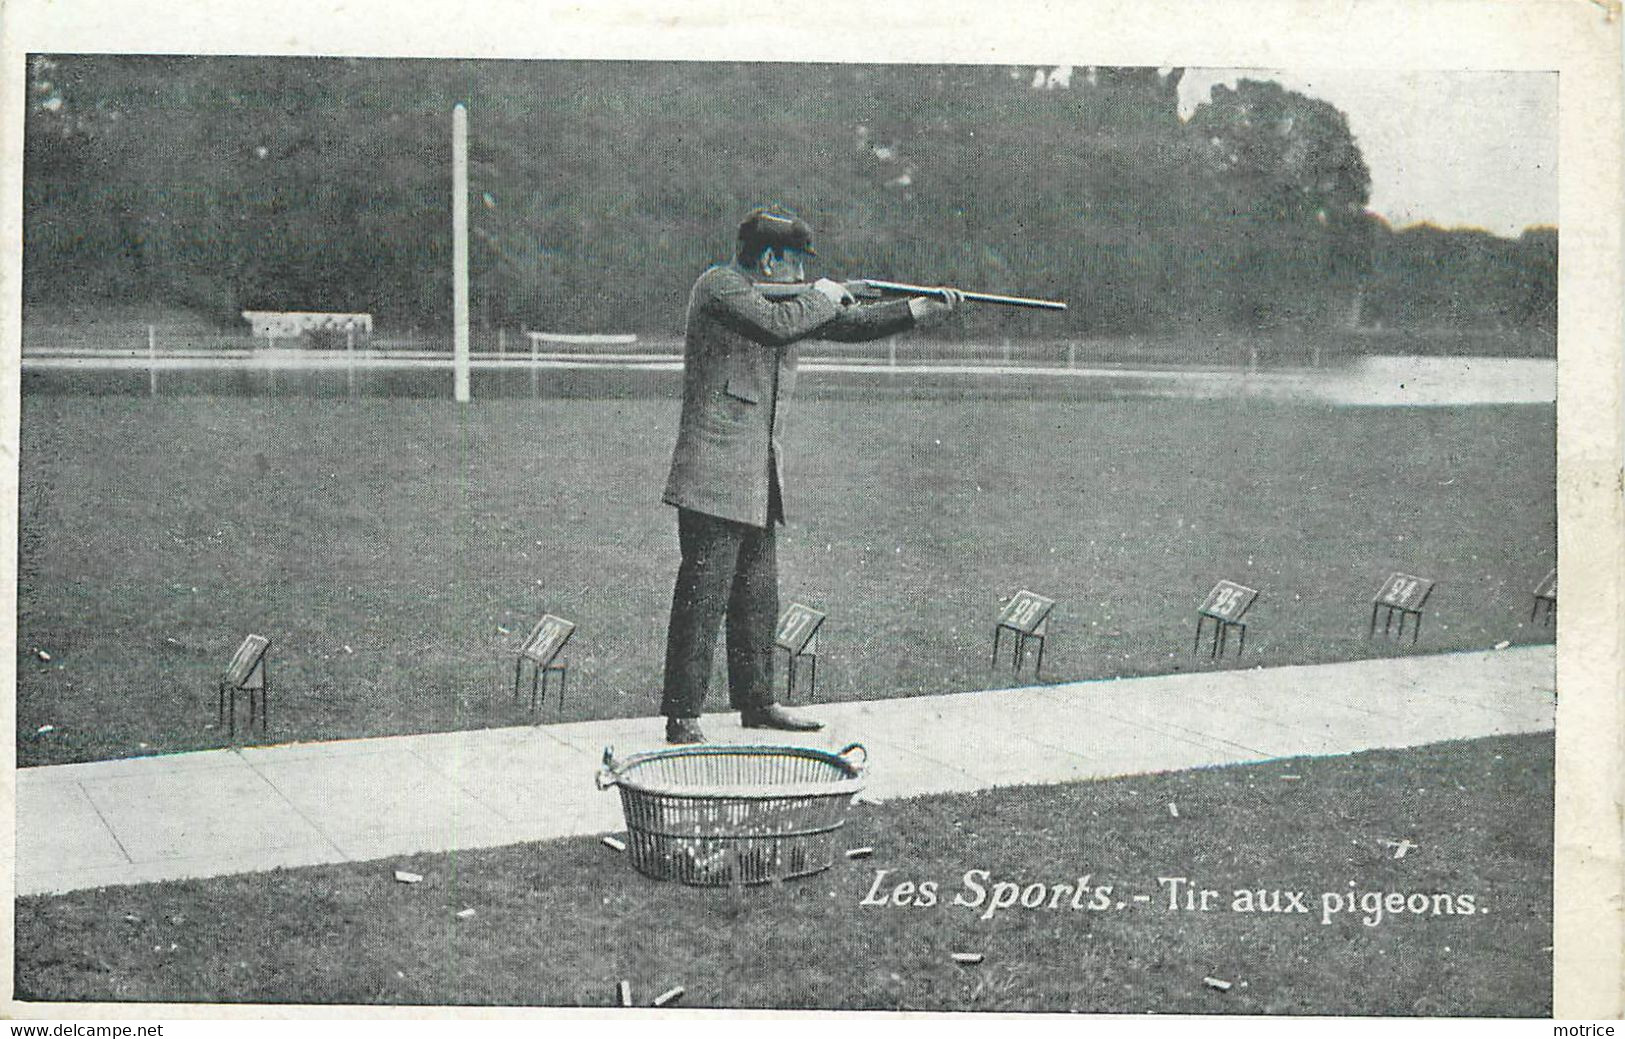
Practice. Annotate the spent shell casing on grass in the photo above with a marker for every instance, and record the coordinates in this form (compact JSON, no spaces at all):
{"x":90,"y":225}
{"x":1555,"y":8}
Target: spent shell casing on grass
{"x":407,"y":878}
{"x":671,"y":995}
{"x":1173,"y":809}
{"x":613,"y":844}
{"x":967,"y":957}
{"x":623,"y":993}
{"x":859,"y":853}
{"x":1217,"y":983}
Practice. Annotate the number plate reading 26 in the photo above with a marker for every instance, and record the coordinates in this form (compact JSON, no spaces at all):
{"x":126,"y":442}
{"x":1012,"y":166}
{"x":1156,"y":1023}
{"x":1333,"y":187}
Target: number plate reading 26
{"x":797,"y":625}
{"x":1026,"y":612}
{"x":546,"y":639}
{"x":1405,"y":592}
{"x":1228,"y":601}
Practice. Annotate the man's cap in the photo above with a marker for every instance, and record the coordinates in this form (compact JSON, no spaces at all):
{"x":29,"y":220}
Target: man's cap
{"x":776,"y":229}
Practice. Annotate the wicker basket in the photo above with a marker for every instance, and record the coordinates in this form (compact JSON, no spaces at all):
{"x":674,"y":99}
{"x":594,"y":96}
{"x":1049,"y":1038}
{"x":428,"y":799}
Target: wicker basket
{"x":716,"y":814}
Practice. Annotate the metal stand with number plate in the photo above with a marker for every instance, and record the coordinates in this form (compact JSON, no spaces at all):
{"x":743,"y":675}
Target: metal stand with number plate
{"x":1403,"y":594}
{"x":1545,"y":596}
{"x":1027,"y":617}
{"x":1224,"y":606}
{"x":248,"y":673}
{"x":797,"y":635}
{"x":542,"y":647}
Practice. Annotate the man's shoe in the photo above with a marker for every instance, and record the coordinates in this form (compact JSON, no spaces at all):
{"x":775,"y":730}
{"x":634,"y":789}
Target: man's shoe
{"x":772,"y":716}
{"x":684,"y":730}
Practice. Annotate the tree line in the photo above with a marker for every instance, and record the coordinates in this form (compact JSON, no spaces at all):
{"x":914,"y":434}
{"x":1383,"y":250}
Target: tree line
{"x":599,"y":189}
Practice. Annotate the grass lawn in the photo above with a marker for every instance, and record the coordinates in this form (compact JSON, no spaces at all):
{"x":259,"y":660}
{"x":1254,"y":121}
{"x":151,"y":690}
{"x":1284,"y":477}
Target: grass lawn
{"x":396,"y":551}
{"x":559,"y":923}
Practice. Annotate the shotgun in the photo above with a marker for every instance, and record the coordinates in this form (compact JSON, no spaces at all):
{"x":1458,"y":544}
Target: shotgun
{"x":867,"y":288}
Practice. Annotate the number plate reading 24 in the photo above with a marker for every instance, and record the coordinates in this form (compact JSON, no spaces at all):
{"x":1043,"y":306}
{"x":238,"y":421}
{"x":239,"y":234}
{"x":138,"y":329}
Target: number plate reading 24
{"x":1026,"y":612}
{"x":1405,"y":592}
{"x":797,"y":625}
{"x":1228,"y":601}
{"x":547,"y":638}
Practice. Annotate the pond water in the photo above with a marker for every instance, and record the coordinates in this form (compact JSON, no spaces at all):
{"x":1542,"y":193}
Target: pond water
{"x":1368,"y":381}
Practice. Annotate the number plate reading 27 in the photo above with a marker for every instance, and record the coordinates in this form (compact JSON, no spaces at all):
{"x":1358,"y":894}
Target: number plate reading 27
{"x":1405,"y":592}
{"x":1026,"y":612}
{"x":547,"y":638}
{"x":797,"y":625}
{"x":1228,"y":601}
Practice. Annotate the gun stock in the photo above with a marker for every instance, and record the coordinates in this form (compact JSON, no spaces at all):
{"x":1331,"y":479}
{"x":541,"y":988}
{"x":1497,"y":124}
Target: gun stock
{"x":870,"y":288}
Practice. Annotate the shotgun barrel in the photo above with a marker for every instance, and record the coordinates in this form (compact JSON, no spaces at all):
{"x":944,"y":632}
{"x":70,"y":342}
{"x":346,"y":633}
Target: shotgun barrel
{"x":897,"y":288}
{"x":870,"y":287}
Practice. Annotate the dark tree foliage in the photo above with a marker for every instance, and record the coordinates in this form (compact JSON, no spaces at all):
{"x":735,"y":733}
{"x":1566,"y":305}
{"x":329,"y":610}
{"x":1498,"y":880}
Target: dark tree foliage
{"x":598,"y":190}
{"x":1430,"y":277}
{"x":1287,"y":188}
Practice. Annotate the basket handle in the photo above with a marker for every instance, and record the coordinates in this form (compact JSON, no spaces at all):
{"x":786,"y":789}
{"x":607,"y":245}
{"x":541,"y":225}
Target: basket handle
{"x":610,"y":774}
{"x":860,"y":764}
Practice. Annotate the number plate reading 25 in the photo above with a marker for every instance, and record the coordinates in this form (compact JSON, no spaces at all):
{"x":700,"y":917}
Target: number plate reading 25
{"x":1228,"y":601}
{"x":1026,"y":612}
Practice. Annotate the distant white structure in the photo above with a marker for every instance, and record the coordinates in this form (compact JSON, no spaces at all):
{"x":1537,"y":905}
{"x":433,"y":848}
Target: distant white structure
{"x":581,"y":338}
{"x":290,"y":324}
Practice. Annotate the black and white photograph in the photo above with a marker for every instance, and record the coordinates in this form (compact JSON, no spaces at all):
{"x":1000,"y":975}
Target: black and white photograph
{"x":1049,"y":527}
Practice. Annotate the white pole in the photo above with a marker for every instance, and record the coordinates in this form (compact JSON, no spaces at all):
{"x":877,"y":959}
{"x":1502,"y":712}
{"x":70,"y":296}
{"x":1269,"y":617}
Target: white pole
{"x":459,"y":250}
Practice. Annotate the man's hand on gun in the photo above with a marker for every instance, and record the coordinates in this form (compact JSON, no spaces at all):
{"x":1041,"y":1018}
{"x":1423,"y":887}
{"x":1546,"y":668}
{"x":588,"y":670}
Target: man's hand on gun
{"x":926,"y":309}
{"x":835,"y":292}
{"x":929,"y":310}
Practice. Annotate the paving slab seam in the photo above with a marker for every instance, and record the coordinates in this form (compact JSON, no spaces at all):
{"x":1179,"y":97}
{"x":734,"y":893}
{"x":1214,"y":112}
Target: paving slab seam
{"x":452,"y":778}
{"x":313,"y":824}
{"x":1258,"y":712}
{"x":1204,"y":743}
{"x":1492,"y":706}
{"x":1179,"y":732}
{"x":105,"y":824}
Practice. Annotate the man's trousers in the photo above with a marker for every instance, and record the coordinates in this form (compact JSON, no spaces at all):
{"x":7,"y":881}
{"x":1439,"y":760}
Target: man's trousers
{"x":728,"y":570}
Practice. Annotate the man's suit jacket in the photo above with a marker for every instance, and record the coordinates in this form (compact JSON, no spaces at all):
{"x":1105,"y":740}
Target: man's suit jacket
{"x":739,"y":369}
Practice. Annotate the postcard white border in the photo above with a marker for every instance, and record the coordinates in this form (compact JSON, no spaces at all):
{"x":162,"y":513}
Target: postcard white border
{"x":1580,"y":39}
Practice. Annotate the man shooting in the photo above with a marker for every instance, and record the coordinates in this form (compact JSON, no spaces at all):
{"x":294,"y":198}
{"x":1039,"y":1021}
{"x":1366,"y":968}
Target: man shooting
{"x":739,"y":369}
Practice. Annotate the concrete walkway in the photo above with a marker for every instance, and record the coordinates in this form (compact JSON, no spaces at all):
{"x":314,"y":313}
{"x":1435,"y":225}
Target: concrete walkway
{"x":256,"y":808}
